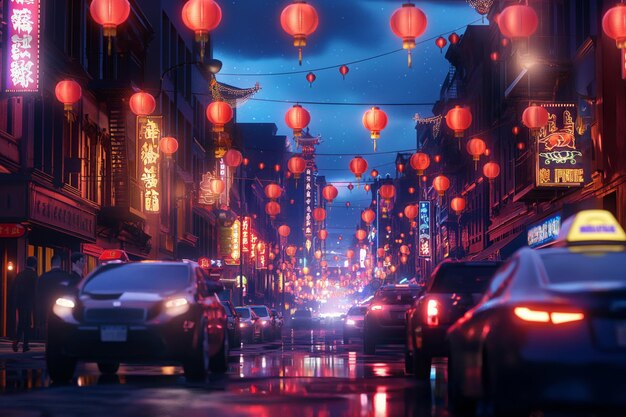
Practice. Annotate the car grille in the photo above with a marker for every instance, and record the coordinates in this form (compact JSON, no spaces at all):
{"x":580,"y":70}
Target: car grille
{"x":115,"y":315}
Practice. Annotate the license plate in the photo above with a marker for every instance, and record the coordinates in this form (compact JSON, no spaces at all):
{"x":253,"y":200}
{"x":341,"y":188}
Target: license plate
{"x":621,"y":334}
{"x":113,"y":333}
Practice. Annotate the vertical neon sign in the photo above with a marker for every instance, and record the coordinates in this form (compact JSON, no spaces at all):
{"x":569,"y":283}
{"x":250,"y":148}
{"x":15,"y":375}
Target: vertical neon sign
{"x":424,"y":248}
{"x":22,"y":61}
{"x":148,"y":137}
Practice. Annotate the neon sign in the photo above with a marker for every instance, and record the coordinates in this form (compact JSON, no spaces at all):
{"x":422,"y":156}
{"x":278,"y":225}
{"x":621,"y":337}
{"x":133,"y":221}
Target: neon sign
{"x":245,"y":235}
{"x":148,"y":137}
{"x":22,"y":68}
{"x":424,"y":247}
{"x":308,"y":203}
{"x":544,"y":232}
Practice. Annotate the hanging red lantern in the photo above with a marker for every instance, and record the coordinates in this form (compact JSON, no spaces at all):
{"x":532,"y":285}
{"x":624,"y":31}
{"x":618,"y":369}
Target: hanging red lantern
{"x":404,"y":259}
{"x":380,"y":252}
{"x":272,"y":209}
{"x":109,"y":14}
{"x":419,"y":162}
{"x":319,"y":214}
{"x":299,"y":20}
{"x":219,"y":113}
{"x":535,"y":118}
{"x":350,"y":187}
{"x":459,"y":119}
{"x":504,"y":42}
{"x":494,"y":56}
{"x":404,"y":250}
{"x":518,"y":21}
{"x":296,"y":166}
{"x":310,"y":77}
{"x":491,"y":170}
{"x":168,"y":145}
{"x":233,"y":158}
{"x":515,"y":130}
{"x":297,"y":118}
{"x":367,"y":188}
{"x":437,"y":158}
{"x":322,"y":234}
{"x":441,"y":43}
{"x":368,"y":216}
{"x":284,"y":230}
{"x":291,"y":251}
{"x":614,"y":24}
{"x":411,"y":190}
{"x":142,"y":103}
{"x":292,"y":201}
{"x":400,"y":168}
{"x":408,"y":23}
{"x":454,"y":38}
{"x":487,"y":152}
{"x":411,"y":211}
{"x":201,"y":16}
{"x":68,"y":92}
{"x":349,"y":254}
{"x":358,"y":166}
{"x":521,"y":146}
{"x":387,"y":191}
{"x":261,"y":166}
{"x":329,"y":193}
{"x":217,"y":186}
{"x":273,"y":191}
{"x":375,"y":120}
{"x":245,"y":162}
{"x":476,"y":147}
{"x":277,"y":168}
{"x":441,"y":183}
{"x":318,"y":254}
{"x":343,"y":70}
{"x":361,"y":234}
{"x":458,"y":205}
{"x":424,"y":178}
{"x":324,"y":264}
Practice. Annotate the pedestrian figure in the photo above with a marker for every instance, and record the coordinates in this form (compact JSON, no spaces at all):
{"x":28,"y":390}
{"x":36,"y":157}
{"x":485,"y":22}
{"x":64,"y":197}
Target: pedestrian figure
{"x":50,"y":286}
{"x":25,"y":291}
{"x":78,"y":267}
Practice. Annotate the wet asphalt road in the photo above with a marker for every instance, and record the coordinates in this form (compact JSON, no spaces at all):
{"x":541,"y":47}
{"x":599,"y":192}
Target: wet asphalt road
{"x":307,"y":373}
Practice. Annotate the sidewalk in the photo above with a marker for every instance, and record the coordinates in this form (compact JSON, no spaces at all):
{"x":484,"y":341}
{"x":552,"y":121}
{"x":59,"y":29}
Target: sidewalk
{"x":7,"y":351}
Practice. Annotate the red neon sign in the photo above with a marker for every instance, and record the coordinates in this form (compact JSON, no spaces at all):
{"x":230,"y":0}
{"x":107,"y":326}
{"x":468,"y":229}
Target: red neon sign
{"x":22,"y":59}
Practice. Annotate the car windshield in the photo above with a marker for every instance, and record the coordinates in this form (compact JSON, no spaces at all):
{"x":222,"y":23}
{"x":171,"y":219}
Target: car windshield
{"x":396,"y":297}
{"x":599,"y":267}
{"x":357,"y":311}
{"x":468,"y":279}
{"x":138,"y":277}
{"x":243,"y":312}
{"x":302,"y":314}
{"x":260,"y":311}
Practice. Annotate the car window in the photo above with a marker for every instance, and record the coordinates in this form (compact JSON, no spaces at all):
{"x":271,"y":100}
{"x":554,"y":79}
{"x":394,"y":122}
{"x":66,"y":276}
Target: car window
{"x":260,"y":311}
{"x":396,"y":297}
{"x":357,"y":311}
{"x":470,"y":279}
{"x":302,"y":314}
{"x":243,"y":312}
{"x":599,"y":267}
{"x":138,"y":277}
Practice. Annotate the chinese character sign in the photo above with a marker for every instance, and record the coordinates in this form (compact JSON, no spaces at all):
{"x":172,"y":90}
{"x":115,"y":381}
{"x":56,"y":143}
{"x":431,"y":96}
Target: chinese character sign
{"x":261,"y":257}
{"x":235,"y":237}
{"x":308,"y":203}
{"x":22,"y":34}
{"x":254,"y":239}
{"x":424,"y":249}
{"x":148,"y":137}
{"x":245,"y":235}
{"x":12,"y":230}
{"x":544,"y":232}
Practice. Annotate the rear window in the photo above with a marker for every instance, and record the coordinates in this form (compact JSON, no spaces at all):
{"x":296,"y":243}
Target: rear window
{"x":138,"y":277}
{"x":468,"y":279}
{"x":260,"y":311}
{"x":596,"y":266}
{"x":302,"y":314}
{"x":396,"y":297}
{"x":357,"y":311}
{"x":243,"y":312}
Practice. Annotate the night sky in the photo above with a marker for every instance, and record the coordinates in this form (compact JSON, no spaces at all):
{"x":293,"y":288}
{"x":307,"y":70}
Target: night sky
{"x":251,"y":44}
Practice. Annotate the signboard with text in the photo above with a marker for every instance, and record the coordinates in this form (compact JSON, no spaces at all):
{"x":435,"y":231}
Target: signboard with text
{"x":544,"y":232}
{"x":148,"y":136}
{"x":11,"y":230}
{"x":245,"y":234}
{"x":261,"y":255}
{"x":229,"y":243}
{"x":22,"y":51}
{"x":308,"y":203}
{"x":424,"y":239}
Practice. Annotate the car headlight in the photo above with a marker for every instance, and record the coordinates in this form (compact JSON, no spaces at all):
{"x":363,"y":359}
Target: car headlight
{"x":264,"y":323}
{"x":243,"y":324}
{"x":351,"y":322}
{"x":176,"y":306}
{"x":65,"y":302}
{"x":63,"y":308}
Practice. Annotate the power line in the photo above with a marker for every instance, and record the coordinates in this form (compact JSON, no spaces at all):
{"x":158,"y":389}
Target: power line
{"x":342,"y":103}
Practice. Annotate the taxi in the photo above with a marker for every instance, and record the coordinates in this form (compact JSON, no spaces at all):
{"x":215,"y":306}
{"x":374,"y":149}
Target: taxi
{"x":148,"y":311}
{"x":551,"y":328}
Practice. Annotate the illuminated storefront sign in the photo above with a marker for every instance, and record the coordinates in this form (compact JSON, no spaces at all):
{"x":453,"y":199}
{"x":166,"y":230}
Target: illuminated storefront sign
{"x":261,"y":255}
{"x":254,"y":239}
{"x":148,"y":137}
{"x":235,"y":235}
{"x":544,"y":232}
{"x":424,"y":246}
{"x":559,"y":162}
{"x":308,"y":203}
{"x":245,"y":235}
{"x":22,"y":34}
{"x":205,"y":194}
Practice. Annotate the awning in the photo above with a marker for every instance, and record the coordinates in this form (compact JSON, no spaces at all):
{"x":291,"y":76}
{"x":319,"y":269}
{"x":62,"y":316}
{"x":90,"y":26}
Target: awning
{"x":501,"y":249}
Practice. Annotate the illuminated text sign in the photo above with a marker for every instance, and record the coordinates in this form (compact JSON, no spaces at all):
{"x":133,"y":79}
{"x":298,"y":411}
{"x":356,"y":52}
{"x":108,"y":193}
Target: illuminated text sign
{"x":424,"y":249}
{"x":148,"y":137}
{"x":544,"y":232}
{"x":22,"y":32}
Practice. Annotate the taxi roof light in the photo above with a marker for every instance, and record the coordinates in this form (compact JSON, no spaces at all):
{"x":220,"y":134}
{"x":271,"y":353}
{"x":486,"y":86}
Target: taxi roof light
{"x":591,"y":227}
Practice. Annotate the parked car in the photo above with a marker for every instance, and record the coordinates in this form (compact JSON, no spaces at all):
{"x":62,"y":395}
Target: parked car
{"x":302,"y":319}
{"x":268,"y":332}
{"x":156,"y":311}
{"x":551,"y":330}
{"x":454,"y":288}
{"x":277,"y":322}
{"x":234,"y":329}
{"x":353,"y":323}
{"x":385,"y":319}
{"x":250,"y":325}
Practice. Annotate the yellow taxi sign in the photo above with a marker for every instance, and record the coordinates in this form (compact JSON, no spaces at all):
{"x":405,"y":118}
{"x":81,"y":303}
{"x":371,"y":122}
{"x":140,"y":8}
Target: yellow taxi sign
{"x":589,"y":226}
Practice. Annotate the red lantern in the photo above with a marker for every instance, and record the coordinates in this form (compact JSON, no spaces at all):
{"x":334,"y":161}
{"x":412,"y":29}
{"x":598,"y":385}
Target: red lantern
{"x":437,"y":158}
{"x":368,"y":216}
{"x":518,"y":21}
{"x":454,"y":38}
{"x":404,"y":259}
{"x":329,"y":193}
{"x":109,"y":14}
{"x":219,"y":113}
{"x":324,"y":264}
{"x":441,"y":183}
{"x":299,"y":20}
{"x":494,"y":56}
{"x":408,"y":23}
{"x":535,"y":118}
{"x":419,"y":162}
{"x":361,"y":234}
{"x":297,"y":118}
{"x":487,"y":152}
{"x":201,"y":16}
{"x":410,"y":211}
{"x":277,"y":168}
{"x":374,"y":173}
{"x":515,"y":130}
{"x":457,"y":204}
{"x":233,"y":158}
{"x":142,"y":103}
{"x":291,"y":250}
{"x":375,"y":120}
{"x":387,"y":191}
{"x":441,"y":43}
{"x":349,"y":253}
{"x":217,"y":186}
{"x":614,"y":24}
{"x":459,"y":119}
{"x":411,"y":190}
{"x":68,"y":92}
{"x":504,"y":42}
{"x":521,"y":146}
{"x":245,"y":162}
{"x":404,"y":250}
{"x":319,"y":214}
{"x":318,"y":254}
{"x":296,"y":166}
{"x":284,"y":230}
{"x":491,"y":170}
{"x":310,"y":77}
{"x":273,"y":191}
{"x":367,"y":188}
{"x":343,"y":70}
{"x":168,"y":145}
{"x":322,"y":234}
{"x":358,"y":166}
{"x":400,"y":168}
{"x":272,"y":208}
{"x":476,"y":147}
{"x":261,"y":166}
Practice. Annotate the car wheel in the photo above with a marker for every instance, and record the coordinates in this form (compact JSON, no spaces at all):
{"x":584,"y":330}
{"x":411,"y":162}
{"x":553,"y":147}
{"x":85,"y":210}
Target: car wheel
{"x":218,"y":364}
{"x":421,"y":365}
{"x":460,"y":405}
{"x":197,"y":363}
{"x":108,"y":368}
{"x":60,"y":367}
{"x":369,"y":346}
{"x":408,"y":361}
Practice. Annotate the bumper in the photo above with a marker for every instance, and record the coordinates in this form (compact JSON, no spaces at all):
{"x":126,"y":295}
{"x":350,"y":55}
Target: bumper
{"x":385,"y":334}
{"x":432,"y":340}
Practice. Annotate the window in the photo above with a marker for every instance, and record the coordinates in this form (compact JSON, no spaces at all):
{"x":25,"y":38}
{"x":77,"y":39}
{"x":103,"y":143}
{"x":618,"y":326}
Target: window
{"x":597,"y":266}
{"x":138,"y":277}
{"x":463,"y":278}
{"x":502,"y":278}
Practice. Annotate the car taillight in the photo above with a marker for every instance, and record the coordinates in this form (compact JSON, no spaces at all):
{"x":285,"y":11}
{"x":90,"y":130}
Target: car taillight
{"x":432,"y":313}
{"x":376,"y":308}
{"x":541,"y":316}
